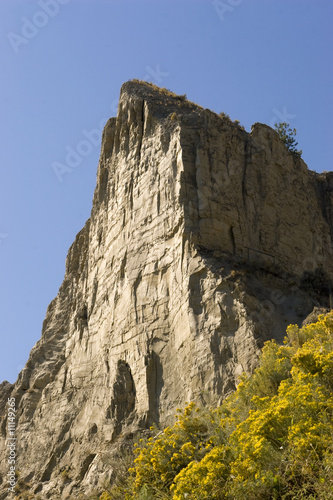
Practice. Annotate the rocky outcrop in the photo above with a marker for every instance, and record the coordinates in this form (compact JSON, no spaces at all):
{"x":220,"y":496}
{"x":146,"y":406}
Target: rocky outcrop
{"x":204,"y":241}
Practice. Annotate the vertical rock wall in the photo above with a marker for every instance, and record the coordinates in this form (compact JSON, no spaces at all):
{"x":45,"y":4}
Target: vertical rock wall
{"x":195,"y":253}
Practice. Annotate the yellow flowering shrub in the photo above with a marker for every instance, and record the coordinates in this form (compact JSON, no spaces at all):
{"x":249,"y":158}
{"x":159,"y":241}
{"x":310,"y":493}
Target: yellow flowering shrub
{"x":286,"y":436}
{"x":203,"y":480}
{"x":271,"y":439}
{"x":105,"y":496}
{"x":164,"y":456}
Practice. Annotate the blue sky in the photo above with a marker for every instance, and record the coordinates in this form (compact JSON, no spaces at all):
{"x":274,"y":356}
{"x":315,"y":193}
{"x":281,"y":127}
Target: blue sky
{"x":62,"y":65}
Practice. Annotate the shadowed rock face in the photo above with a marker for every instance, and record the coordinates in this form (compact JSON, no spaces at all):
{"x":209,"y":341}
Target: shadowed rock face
{"x":204,"y":241}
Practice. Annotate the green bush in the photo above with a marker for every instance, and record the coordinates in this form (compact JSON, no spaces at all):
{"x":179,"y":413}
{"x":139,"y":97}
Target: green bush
{"x":287,"y":135}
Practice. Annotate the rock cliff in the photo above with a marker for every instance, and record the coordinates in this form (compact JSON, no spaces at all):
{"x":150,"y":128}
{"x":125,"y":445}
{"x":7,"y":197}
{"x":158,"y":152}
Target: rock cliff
{"x":203,"y":242}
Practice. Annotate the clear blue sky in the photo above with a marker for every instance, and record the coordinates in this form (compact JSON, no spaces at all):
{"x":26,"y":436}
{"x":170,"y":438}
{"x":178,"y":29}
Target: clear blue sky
{"x":62,"y":65}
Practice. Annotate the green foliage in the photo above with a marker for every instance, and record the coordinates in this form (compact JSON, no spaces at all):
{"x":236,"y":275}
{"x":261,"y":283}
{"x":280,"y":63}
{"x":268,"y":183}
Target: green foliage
{"x":224,"y":116}
{"x":204,"y":480}
{"x":238,"y":124}
{"x":287,"y":135}
{"x":161,"y":459}
{"x":271,"y":439}
{"x":105,"y":496}
{"x":161,"y":90}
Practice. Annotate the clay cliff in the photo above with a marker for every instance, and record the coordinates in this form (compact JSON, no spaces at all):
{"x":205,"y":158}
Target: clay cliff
{"x":204,"y":241}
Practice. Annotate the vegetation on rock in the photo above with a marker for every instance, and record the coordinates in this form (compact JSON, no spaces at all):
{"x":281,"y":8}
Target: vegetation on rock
{"x":271,"y":439}
{"x":287,"y":135}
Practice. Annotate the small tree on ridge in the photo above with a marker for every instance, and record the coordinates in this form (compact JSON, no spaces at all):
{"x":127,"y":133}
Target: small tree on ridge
{"x":287,"y":135}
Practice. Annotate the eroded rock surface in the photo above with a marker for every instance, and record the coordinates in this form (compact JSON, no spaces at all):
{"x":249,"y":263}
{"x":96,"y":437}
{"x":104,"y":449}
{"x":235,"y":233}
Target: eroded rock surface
{"x":204,"y":241}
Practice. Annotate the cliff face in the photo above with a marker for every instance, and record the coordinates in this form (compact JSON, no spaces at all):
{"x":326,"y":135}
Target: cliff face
{"x":203,"y":242}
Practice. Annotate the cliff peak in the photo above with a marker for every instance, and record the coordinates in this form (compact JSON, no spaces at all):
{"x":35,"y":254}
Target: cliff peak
{"x":203,"y":242}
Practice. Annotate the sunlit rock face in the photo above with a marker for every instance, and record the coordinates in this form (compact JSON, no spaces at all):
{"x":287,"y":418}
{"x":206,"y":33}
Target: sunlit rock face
{"x":204,"y":241}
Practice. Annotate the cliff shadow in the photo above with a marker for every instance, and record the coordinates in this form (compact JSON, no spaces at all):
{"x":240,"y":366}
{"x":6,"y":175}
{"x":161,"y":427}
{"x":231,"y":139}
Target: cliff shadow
{"x":154,"y":371}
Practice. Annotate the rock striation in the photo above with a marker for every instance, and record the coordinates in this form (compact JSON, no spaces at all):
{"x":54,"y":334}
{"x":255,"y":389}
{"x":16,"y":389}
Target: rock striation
{"x":204,"y":241}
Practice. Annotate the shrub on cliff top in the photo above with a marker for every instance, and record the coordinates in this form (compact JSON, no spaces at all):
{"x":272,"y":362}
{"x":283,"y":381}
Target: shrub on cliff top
{"x":287,"y":135}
